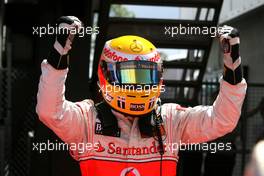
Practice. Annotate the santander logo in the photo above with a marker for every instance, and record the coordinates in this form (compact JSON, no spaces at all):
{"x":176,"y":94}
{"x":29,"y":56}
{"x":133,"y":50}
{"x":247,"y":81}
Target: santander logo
{"x":112,"y":148}
{"x":100,"y":147}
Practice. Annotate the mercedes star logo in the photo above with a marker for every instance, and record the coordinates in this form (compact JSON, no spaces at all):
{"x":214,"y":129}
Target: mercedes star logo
{"x":136,"y":46}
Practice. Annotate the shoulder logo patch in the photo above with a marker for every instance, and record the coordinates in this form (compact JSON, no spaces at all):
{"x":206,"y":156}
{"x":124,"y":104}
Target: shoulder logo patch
{"x":99,"y":130}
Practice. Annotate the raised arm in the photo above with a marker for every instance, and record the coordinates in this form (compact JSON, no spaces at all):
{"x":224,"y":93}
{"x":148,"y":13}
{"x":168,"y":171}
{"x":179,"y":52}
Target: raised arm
{"x":65,"y":118}
{"x":204,"y":123}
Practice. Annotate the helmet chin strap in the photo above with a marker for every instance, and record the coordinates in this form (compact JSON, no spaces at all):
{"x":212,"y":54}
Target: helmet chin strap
{"x":156,"y":118}
{"x":157,"y":113}
{"x":98,"y":84}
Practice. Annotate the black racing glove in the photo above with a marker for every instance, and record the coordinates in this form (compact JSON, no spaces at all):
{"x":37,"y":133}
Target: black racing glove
{"x":68,"y":27}
{"x":229,"y":38}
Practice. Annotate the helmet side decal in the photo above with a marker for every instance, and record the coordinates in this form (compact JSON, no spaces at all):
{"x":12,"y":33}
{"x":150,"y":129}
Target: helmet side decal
{"x":121,"y":102}
{"x":108,"y":97}
{"x":151,"y":102}
{"x":137,"y":107}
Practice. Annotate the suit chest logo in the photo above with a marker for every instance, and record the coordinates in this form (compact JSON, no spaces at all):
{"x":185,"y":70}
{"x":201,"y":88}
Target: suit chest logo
{"x":108,"y":132}
{"x":112,"y":148}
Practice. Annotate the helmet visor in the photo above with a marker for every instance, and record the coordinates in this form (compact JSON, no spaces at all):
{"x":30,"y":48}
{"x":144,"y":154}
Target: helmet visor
{"x":134,"y":73}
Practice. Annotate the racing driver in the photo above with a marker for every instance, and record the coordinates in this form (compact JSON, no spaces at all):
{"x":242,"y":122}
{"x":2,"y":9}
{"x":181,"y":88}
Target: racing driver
{"x":132,"y":131}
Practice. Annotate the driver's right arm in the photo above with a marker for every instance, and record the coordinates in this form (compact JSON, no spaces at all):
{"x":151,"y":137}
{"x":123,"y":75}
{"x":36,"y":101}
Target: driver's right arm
{"x":67,"y":119}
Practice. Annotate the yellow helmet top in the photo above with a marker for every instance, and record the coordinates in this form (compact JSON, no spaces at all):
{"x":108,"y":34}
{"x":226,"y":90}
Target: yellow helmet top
{"x":130,"y":44}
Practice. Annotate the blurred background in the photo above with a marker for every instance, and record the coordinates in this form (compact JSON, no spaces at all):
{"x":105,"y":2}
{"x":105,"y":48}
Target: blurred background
{"x":193,"y":66}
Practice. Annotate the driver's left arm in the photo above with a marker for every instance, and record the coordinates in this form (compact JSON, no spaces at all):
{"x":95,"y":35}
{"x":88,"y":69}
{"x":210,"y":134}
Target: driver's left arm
{"x":205,"y":123}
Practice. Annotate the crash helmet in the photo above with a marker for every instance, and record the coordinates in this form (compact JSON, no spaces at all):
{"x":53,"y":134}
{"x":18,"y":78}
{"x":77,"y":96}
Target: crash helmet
{"x":130,"y":75}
